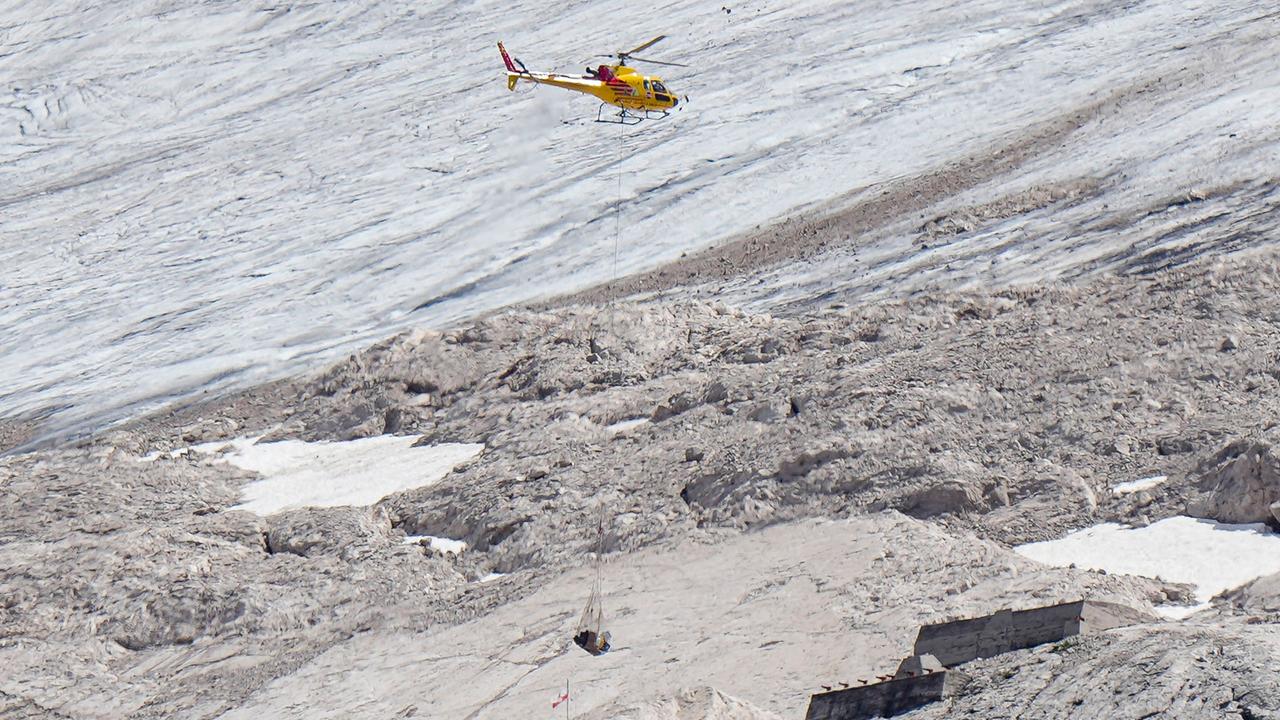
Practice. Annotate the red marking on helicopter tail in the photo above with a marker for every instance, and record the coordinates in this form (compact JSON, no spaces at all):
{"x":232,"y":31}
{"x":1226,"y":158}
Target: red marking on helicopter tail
{"x":506,"y":58}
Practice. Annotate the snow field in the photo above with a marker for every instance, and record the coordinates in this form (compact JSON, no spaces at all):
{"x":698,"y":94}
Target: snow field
{"x":1213,"y":556}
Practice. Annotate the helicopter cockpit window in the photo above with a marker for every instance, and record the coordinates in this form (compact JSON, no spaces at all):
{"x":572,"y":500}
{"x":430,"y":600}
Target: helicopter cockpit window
{"x":659,"y":87}
{"x":646,"y":86}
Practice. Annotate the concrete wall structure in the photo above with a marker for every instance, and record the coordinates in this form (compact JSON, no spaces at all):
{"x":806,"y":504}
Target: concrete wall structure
{"x":884,"y":699}
{"x":960,"y":641}
{"x":921,"y":679}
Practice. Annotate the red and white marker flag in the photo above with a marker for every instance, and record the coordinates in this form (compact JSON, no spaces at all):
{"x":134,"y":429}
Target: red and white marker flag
{"x":563,"y":697}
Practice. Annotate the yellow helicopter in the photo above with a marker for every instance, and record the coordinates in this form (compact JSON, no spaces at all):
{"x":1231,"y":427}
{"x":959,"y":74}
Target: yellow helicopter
{"x":614,"y":84}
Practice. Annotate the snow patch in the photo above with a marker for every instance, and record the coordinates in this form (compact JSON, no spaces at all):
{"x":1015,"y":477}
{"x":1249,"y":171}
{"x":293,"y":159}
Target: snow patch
{"x":333,"y":474}
{"x":1134,"y":486}
{"x":1213,"y":556}
{"x":444,"y":545}
{"x":208,"y":448}
{"x":625,"y":425}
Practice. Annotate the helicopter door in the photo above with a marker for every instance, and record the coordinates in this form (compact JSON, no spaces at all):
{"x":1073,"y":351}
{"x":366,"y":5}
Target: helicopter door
{"x":647,"y":92}
{"x":662,"y":92}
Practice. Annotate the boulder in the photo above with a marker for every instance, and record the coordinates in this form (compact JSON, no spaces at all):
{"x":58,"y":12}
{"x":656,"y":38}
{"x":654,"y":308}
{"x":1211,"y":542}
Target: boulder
{"x":1243,"y":482}
{"x":1260,"y":598}
{"x":340,"y":531}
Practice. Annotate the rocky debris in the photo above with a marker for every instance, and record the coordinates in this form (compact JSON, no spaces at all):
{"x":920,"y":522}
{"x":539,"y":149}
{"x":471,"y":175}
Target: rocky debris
{"x":948,"y":496}
{"x":960,"y":405}
{"x":1008,"y":414}
{"x":209,"y":430}
{"x":1011,"y":413}
{"x":16,"y":433}
{"x":346,"y":532}
{"x":1170,"y":670}
{"x":1036,"y":198}
{"x":113,"y":567}
{"x":817,"y":454}
{"x":1259,"y":600}
{"x":1242,"y":480}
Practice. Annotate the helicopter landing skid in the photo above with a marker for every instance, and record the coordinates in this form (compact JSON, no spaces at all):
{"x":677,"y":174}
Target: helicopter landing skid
{"x":627,"y":117}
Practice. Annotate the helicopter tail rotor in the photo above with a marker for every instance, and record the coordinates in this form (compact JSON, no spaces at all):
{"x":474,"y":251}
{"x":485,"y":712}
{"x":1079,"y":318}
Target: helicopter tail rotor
{"x":515,"y":68}
{"x":506,"y":59}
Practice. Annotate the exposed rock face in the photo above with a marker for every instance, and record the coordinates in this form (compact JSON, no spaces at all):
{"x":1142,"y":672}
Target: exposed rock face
{"x":1243,"y":480}
{"x":765,"y":617}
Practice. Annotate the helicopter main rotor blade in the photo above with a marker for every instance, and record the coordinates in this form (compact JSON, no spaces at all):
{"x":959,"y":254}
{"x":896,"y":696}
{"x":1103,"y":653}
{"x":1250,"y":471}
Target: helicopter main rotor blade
{"x":659,"y":62}
{"x":642,"y":47}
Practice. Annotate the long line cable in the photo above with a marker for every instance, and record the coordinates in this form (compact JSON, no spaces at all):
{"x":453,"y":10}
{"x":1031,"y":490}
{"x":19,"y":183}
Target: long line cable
{"x":617,"y":208}
{"x":614,"y":291}
{"x":599,"y":588}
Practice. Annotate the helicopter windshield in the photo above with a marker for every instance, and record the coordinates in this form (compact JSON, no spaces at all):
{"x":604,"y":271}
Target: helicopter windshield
{"x":659,"y":87}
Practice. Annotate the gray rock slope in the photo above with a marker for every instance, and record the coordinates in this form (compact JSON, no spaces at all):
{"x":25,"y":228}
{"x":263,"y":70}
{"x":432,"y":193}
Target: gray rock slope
{"x":1011,"y":412}
{"x":935,"y":431}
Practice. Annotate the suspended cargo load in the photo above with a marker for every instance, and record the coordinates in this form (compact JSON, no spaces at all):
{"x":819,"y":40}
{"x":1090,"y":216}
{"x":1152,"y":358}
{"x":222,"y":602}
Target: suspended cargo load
{"x":590,"y":633}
